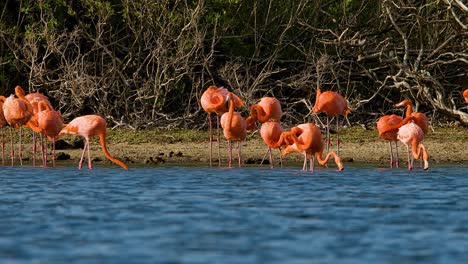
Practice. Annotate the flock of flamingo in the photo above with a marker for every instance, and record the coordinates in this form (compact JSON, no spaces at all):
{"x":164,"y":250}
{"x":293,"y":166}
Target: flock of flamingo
{"x":34,"y":111}
{"x":306,"y":138}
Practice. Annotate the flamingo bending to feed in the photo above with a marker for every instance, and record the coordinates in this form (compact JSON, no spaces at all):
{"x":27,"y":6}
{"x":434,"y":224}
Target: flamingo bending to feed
{"x":306,"y":139}
{"x":234,"y":128}
{"x":49,"y":123}
{"x":332,"y":104}
{"x":412,"y":134}
{"x":89,"y":126}
{"x":213,"y":100}
{"x":17,"y":113}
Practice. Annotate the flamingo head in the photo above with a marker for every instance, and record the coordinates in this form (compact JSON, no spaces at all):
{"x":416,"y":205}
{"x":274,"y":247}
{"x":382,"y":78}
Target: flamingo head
{"x":403,"y":103}
{"x":339,"y":163}
{"x":426,"y":165}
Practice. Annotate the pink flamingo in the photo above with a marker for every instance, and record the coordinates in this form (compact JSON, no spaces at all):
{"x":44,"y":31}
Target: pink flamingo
{"x":419,"y":118}
{"x":89,"y":126}
{"x":17,"y":113}
{"x":234,"y":128}
{"x":412,"y":135}
{"x":390,"y":136}
{"x":270,"y":132}
{"x":307,"y":140}
{"x":332,"y":104}
{"x":34,"y":99}
{"x":49,"y":123}
{"x":268,"y":109}
{"x":3,"y":123}
{"x":213,"y":100}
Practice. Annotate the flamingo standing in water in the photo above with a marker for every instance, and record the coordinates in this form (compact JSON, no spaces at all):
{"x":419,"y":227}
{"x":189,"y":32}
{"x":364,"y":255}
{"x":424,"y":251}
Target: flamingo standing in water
{"x":34,"y":99}
{"x":49,"y":123}
{"x":465,"y":95}
{"x":213,"y":100}
{"x":411,"y":135}
{"x":3,"y":123}
{"x":17,"y":113}
{"x":267,"y":111}
{"x":390,"y":136}
{"x":332,"y":104}
{"x":234,"y":128}
{"x":89,"y":126}
{"x":307,"y":140}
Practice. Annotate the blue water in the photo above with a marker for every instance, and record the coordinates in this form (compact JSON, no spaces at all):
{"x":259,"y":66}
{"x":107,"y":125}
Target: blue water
{"x":251,"y":215}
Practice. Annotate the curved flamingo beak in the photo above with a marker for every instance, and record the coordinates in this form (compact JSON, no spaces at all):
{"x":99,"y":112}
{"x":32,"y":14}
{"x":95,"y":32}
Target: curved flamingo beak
{"x":340,"y":166}
{"x":426,"y":165}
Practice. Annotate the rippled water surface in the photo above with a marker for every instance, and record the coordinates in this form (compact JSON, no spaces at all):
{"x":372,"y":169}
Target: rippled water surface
{"x":251,"y":215}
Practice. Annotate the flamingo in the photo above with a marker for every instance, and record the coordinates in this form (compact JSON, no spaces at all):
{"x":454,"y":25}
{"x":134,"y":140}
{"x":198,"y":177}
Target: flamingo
{"x":268,"y":109}
{"x":465,"y":95}
{"x":390,"y":136}
{"x":419,"y":118}
{"x":412,"y":134}
{"x":234,"y":128}
{"x":34,"y":99}
{"x":270,"y":132}
{"x":3,"y":123}
{"x":332,"y":104}
{"x":213,"y":100}
{"x":17,"y":113}
{"x":49,"y":123}
{"x":89,"y":126}
{"x":306,"y":139}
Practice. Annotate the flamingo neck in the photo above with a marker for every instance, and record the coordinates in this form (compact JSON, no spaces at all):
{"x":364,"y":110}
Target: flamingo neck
{"x":230,"y":112}
{"x":409,"y":109}
{"x":316,"y":109}
{"x":407,"y":119}
{"x":259,"y":113}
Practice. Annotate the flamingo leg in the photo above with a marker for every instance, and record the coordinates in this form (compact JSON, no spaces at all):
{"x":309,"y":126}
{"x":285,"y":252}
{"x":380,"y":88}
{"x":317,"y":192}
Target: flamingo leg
{"x":304,"y":166}
{"x":410,"y":163}
{"x":80,"y":165}
{"x":396,"y":154}
{"x":12,"y":148}
{"x":43,"y":151}
{"x":328,"y":134}
{"x":211,"y":139}
{"x":264,"y":156}
{"x":239,"y":159}
{"x":34,"y":148}
{"x":90,"y":164}
{"x":271,"y":158}
{"x":53,"y":153}
{"x":20,"y":148}
{"x":338,"y":134}
{"x":230,"y":153}
{"x":312,"y":161}
{"x":219,"y":149}
{"x":3,"y":148}
{"x":391,"y":154}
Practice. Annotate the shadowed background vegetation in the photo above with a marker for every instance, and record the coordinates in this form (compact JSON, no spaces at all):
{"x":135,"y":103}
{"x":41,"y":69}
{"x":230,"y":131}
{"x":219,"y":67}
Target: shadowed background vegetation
{"x":144,"y":64}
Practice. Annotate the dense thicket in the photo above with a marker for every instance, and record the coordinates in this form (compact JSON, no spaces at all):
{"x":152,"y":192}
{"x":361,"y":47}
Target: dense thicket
{"x":145,"y":63}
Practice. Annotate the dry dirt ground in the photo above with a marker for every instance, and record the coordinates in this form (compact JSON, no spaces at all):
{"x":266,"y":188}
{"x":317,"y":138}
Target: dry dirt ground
{"x":444,"y":145}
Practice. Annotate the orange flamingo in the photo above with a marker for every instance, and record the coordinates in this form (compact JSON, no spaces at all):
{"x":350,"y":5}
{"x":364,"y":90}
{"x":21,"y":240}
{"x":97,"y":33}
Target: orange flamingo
{"x":307,"y":140}
{"x":268,"y":109}
{"x":465,"y":95}
{"x":49,"y":123}
{"x":3,"y":123}
{"x":270,"y":132}
{"x":17,"y":113}
{"x":88,"y":126}
{"x":412,"y":134}
{"x":234,"y":128}
{"x":213,"y":100}
{"x":390,"y":136}
{"x":332,"y":104}
{"x":34,"y":99}
{"x":419,"y":118}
